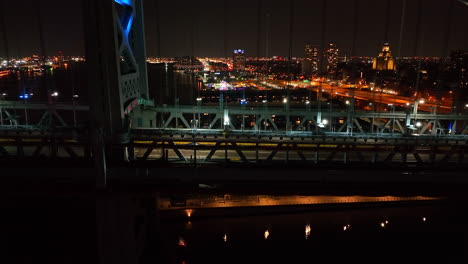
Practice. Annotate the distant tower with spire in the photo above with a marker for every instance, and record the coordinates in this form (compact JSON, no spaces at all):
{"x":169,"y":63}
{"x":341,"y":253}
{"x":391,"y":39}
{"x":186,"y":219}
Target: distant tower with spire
{"x":385,"y":60}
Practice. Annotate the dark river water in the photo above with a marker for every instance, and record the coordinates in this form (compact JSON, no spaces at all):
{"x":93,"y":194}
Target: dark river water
{"x":405,"y":233}
{"x":65,"y":224}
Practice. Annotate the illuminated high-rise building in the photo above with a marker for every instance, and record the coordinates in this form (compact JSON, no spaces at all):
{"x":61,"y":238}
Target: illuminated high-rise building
{"x":239,"y":60}
{"x":459,"y":80}
{"x":61,"y":58}
{"x":310,"y":63}
{"x":331,"y":58}
{"x":459,"y":60}
{"x":385,"y":60}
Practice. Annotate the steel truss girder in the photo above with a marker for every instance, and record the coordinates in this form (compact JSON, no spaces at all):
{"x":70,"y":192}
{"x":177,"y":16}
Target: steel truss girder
{"x":360,"y":122}
{"x":49,"y":115}
{"x":435,"y":151}
{"x":313,"y":150}
{"x":25,"y":149}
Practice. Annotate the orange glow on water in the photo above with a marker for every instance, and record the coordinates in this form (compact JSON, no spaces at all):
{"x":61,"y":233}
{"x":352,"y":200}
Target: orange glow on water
{"x":189,"y":212}
{"x":307,"y":231}
{"x":182,"y":242}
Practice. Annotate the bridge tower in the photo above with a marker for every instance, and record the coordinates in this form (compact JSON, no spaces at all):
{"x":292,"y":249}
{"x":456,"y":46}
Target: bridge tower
{"x":117,"y":74}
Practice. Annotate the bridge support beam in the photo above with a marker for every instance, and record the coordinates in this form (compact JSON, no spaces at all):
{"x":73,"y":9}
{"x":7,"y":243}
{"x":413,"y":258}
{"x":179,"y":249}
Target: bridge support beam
{"x":116,"y":62}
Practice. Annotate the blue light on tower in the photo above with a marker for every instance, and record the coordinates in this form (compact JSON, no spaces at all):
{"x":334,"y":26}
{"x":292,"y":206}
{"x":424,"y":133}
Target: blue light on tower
{"x":127,"y":25}
{"x":124,"y":2}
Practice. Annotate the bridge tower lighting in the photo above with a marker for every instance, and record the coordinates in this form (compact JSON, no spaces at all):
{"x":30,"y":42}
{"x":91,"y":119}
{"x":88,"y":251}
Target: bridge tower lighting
{"x":117,"y":75}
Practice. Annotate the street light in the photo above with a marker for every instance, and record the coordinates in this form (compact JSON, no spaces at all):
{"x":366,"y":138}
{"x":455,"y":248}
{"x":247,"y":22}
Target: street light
{"x":25,"y":96}
{"x":418,"y":124}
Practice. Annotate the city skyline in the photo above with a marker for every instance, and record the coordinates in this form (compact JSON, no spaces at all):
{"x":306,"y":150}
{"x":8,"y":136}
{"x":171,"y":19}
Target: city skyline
{"x":250,"y":131}
{"x":210,"y":29}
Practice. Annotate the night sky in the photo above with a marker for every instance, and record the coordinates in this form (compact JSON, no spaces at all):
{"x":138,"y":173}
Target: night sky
{"x":182,"y":21}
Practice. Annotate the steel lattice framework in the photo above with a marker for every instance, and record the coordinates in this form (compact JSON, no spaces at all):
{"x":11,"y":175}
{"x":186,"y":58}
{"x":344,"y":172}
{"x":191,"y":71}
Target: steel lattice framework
{"x":124,"y":15}
{"x":261,"y":120}
{"x":116,"y":60}
{"x":178,"y":137}
{"x":248,"y":121}
{"x":19,"y":116}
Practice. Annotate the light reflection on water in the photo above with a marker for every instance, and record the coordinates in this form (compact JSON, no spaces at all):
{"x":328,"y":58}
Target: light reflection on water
{"x":299,"y":233}
{"x":404,"y":230}
{"x":228,"y":200}
{"x":189,"y":212}
{"x":307,"y":231}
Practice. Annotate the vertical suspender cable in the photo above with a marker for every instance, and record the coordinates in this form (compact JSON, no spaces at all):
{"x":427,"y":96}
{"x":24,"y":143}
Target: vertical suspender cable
{"x":442,"y":61}
{"x":194,"y":32}
{"x":417,"y":51}
{"x":41,"y":31}
{"x":225,"y":30}
{"x":43,"y":50}
{"x":267,"y":36}
{"x":322,"y":57}
{"x":402,"y":25}
{"x":291,"y":32}
{"x":259,"y":21}
{"x":322,"y":35}
{"x":465,"y":42}
{"x":3,"y":28}
{"x":387,"y":22}
{"x":158,"y":28}
{"x":355,"y":30}
{"x":267,"y":41}
{"x":5,"y":44}
{"x":448,"y":32}
{"x":416,"y":48}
